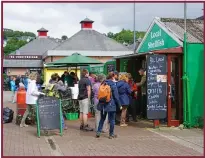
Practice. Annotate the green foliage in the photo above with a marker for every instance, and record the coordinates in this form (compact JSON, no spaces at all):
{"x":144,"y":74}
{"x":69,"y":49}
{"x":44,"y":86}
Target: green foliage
{"x":15,"y":34}
{"x":126,"y":36}
{"x":12,"y":45}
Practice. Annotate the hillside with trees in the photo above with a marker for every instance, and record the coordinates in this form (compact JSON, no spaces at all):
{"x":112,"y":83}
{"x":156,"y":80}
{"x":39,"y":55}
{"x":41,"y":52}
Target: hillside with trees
{"x":16,"y":39}
{"x":126,"y":36}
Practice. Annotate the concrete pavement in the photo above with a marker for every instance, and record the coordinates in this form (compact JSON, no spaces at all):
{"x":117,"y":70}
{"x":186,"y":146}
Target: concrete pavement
{"x":138,"y":139}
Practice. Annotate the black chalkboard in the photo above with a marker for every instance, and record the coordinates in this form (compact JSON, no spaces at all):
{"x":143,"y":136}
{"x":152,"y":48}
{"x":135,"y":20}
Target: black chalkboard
{"x":110,"y":67}
{"x":156,"y":86}
{"x":49,"y":113}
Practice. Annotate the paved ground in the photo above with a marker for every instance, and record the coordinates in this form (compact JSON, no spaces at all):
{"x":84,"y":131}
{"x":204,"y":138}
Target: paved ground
{"x":139,"y":139}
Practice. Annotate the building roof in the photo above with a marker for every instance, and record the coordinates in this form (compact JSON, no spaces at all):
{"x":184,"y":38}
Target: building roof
{"x":38,"y":46}
{"x":22,"y":63}
{"x":85,"y":53}
{"x":200,"y":18}
{"x":91,"y":40}
{"x":42,"y":30}
{"x":195,"y":28}
{"x":87,"y":20}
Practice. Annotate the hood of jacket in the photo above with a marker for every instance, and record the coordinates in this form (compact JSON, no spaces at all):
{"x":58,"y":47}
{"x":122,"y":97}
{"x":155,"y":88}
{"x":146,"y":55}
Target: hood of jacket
{"x":110,"y":82}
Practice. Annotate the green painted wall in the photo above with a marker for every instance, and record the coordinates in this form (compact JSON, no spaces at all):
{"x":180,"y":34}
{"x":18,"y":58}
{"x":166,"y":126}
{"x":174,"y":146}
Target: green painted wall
{"x":123,"y":65}
{"x":195,"y":70}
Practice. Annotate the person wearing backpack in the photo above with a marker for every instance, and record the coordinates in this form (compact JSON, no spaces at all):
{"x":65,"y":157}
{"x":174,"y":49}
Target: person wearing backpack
{"x":124,"y":91}
{"x":100,"y":78}
{"x":108,"y":100}
{"x":84,"y":97}
{"x":54,"y":88}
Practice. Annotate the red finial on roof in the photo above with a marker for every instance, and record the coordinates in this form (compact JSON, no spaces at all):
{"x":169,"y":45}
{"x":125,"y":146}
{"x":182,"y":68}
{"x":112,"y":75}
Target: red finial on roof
{"x":42,"y":32}
{"x":86,"y":23}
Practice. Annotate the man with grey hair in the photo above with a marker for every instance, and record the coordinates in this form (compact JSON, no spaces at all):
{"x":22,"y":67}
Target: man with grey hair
{"x":100,"y":78}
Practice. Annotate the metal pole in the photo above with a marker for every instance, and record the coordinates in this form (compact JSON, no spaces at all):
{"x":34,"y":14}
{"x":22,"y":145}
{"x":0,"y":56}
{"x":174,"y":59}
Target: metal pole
{"x":185,"y":69}
{"x":134,"y":30}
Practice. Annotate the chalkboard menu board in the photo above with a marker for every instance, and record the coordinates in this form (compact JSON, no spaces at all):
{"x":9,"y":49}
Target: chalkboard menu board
{"x":110,"y":67}
{"x":156,"y":87}
{"x":49,"y":115}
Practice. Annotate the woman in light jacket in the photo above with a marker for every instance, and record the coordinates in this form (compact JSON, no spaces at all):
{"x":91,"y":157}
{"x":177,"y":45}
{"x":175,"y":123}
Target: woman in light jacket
{"x":32,"y":94}
{"x":100,"y":78}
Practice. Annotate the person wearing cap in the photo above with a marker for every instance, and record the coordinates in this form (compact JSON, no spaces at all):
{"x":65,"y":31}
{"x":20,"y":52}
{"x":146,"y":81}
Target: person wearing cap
{"x":32,"y":94}
{"x":142,"y":84}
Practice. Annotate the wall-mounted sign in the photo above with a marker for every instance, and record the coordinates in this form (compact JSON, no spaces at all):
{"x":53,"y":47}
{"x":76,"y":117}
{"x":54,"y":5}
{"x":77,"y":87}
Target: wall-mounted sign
{"x":157,"y":39}
{"x":24,"y":57}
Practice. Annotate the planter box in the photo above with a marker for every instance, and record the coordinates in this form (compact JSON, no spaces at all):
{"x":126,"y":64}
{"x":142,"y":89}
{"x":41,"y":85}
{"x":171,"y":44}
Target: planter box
{"x":71,"y":116}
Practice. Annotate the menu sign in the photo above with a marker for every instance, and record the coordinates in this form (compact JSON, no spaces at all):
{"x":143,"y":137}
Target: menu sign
{"x":49,"y":115}
{"x":156,"y":87}
{"x":110,"y":67}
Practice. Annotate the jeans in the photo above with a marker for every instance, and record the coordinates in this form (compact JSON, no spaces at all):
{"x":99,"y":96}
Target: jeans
{"x":97,"y":120}
{"x":111,"y":118}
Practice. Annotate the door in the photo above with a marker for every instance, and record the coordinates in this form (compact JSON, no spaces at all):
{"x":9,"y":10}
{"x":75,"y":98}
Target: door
{"x":174,"y":81}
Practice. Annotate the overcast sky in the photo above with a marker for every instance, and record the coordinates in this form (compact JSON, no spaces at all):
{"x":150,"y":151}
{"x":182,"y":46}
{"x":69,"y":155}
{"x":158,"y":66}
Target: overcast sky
{"x":63,"y":18}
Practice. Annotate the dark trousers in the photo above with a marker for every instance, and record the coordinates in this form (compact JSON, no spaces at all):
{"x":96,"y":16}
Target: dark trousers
{"x":134,"y":109}
{"x":143,"y":108}
{"x":111,"y":119}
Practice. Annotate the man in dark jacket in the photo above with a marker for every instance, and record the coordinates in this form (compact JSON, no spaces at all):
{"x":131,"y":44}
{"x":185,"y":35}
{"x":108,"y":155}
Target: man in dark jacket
{"x":142,"y":84}
{"x":109,"y":108}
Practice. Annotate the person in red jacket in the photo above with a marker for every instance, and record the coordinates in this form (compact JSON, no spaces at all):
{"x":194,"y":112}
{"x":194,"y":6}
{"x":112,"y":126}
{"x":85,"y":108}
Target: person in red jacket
{"x":133,"y":98}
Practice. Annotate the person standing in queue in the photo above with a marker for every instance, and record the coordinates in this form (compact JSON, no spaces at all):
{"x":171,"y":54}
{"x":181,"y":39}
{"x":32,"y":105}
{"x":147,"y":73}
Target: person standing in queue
{"x":142,"y":84}
{"x":84,"y":97}
{"x":107,"y":105}
{"x":57,"y":87}
{"x":99,"y":80}
{"x":132,"y":109}
{"x":124,"y":91}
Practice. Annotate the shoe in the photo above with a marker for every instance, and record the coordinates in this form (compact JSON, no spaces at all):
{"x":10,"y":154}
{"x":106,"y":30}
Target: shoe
{"x":81,"y":127}
{"x":112,"y":136}
{"x":87,"y":128}
{"x":66,"y":127}
{"x":124,"y":125}
{"x":23,"y":125}
{"x":97,"y":135}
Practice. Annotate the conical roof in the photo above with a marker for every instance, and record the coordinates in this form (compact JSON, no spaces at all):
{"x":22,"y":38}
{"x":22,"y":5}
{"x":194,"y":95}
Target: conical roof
{"x":38,"y":46}
{"x":91,"y":40}
{"x":87,"y":20}
{"x":42,"y":30}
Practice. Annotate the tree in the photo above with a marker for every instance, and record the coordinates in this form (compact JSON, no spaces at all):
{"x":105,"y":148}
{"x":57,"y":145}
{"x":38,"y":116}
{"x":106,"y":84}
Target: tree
{"x":12,"y":45}
{"x":64,"y":37}
{"x":126,"y":36}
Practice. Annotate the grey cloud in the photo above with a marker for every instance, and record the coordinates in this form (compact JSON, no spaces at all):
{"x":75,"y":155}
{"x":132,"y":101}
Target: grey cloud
{"x":121,"y":14}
